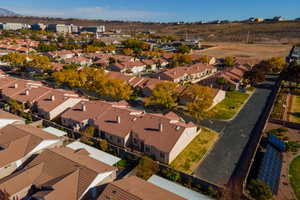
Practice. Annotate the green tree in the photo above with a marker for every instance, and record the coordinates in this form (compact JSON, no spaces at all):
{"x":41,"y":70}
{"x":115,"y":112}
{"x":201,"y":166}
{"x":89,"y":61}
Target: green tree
{"x":164,"y":94}
{"x":171,"y":174}
{"x":259,"y":191}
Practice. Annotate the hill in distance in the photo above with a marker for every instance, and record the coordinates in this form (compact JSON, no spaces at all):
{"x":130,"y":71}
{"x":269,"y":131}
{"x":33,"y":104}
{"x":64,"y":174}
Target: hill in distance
{"x":5,"y":12}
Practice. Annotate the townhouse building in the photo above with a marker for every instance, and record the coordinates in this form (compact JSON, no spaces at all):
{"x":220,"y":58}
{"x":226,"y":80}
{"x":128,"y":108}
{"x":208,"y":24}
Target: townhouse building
{"x":193,"y":73}
{"x":162,"y":137}
{"x":135,"y":188}
{"x":59,"y":173}
{"x":19,"y":142}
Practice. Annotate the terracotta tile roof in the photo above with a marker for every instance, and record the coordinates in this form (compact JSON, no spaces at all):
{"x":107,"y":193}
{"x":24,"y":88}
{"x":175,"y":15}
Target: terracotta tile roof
{"x":54,"y":98}
{"x":120,"y":76}
{"x":19,"y":140}
{"x":247,"y":61}
{"x":150,"y":83}
{"x":129,"y":65}
{"x":93,"y":110}
{"x":60,"y":53}
{"x":65,"y":170}
{"x":6,"y":80}
{"x":178,"y":72}
{"x":7,"y":115}
{"x":148,"y":62}
{"x":31,"y":93}
{"x":148,"y":130}
{"x":57,"y":66}
{"x":133,"y":188}
{"x":18,"y":86}
{"x":78,"y":59}
{"x":168,"y":56}
{"x":122,"y":58}
{"x":108,"y":121}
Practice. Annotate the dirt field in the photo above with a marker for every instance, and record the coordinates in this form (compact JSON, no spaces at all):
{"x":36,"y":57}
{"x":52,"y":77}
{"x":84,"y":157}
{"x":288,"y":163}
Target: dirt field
{"x":257,"y":51}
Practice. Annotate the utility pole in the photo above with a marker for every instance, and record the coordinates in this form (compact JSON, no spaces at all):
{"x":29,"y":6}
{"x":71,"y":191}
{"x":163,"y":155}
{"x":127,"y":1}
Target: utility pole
{"x":248,"y":36}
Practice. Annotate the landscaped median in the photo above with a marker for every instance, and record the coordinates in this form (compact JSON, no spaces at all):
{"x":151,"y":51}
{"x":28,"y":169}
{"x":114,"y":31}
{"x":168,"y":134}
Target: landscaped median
{"x":294,"y":176}
{"x":192,"y":155}
{"x":229,"y":107}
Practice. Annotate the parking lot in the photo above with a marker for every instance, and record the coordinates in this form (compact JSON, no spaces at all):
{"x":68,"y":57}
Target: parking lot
{"x":220,"y":163}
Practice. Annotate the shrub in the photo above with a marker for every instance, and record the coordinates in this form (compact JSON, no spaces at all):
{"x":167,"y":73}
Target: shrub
{"x":146,"y":168}
{"x":259,"y":191}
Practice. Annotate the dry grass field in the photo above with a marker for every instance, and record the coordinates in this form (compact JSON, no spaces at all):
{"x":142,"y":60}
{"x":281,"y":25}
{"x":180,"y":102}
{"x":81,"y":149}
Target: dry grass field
{"x":256,"y":51}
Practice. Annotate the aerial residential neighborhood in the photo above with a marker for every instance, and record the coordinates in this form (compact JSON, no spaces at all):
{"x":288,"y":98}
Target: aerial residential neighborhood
{"x":102,"y":101}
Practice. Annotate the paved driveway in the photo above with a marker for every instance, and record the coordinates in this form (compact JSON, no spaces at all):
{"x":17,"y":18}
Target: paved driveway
{"x":220,"y":163}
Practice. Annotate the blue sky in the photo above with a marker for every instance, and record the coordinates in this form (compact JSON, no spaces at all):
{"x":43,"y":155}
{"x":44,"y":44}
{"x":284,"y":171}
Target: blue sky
{"x":156,"y":10}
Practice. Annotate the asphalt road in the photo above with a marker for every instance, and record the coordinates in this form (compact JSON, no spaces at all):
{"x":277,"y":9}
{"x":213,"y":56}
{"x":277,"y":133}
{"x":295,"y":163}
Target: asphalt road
{"x":220,"y":163}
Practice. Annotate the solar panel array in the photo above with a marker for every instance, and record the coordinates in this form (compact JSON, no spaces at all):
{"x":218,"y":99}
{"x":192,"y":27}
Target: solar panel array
{"x":270,"y":169}
{"x":277,"y":143}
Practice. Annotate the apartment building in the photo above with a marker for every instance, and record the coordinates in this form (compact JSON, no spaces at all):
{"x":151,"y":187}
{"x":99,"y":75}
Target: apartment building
{"x":135,"y":188}
{"x":55,"y":102}
{"x":20,"y":142}
{"x":162,"y":137}
{"x":193,"y":73}
{"x":59,"y":173}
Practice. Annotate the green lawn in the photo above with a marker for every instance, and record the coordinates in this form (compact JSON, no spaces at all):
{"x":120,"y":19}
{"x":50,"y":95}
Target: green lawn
{"x":294,"y":114}
{"x":294,"y":175}
{"x":229,"y":106}
{"x":190,"y":157}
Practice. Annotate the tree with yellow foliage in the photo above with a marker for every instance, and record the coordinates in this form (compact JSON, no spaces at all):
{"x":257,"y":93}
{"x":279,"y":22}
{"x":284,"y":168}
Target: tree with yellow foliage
{"x":199,"y":99}
{"x":127,"y":52}
{"x":204,"y":59}
{"x":164,"y":95}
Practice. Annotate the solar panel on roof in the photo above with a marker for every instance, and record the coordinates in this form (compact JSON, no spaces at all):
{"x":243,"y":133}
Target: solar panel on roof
{"x":270,"y":169}
{"x":276,"y":142}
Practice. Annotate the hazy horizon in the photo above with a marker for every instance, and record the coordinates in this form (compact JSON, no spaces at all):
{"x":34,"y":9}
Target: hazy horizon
{"x":156,"y":11}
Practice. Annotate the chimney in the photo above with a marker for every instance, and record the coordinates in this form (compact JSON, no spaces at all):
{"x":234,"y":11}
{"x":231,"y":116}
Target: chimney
{"x":161,"y":127}
{"x":83,"y":107}
{"x":16,"y":85}
{"x":52,"y":98}
{"x":118,"y":118}
{"x":26,"y":92}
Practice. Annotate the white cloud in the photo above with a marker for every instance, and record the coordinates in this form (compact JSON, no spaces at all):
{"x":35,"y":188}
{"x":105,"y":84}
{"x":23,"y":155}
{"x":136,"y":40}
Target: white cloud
{"x":95,"y":13}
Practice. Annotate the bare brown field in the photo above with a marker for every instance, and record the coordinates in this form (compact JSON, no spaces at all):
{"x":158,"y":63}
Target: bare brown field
{"x":256,"y":51}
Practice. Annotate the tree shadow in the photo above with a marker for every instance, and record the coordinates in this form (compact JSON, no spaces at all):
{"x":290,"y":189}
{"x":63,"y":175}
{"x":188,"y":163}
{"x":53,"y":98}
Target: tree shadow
{"x":295,"y":114}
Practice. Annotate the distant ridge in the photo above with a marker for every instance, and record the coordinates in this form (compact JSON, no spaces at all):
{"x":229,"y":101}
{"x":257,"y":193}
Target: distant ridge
{"x":5,"y":12}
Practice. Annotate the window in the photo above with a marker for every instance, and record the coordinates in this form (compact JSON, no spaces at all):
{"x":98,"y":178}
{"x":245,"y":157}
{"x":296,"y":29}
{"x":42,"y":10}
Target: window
{"x":147,"y":149}
{"x":135,"y":141}
{"x":162,"y":155}
{"x":119,"y":141}
{"x":110,"y":137}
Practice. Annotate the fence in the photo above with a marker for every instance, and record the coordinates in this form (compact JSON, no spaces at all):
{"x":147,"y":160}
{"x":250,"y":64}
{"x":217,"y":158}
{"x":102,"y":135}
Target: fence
{"x":287,"y":124}
{"x":258,"y":132}
{"x":125,"y":154}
